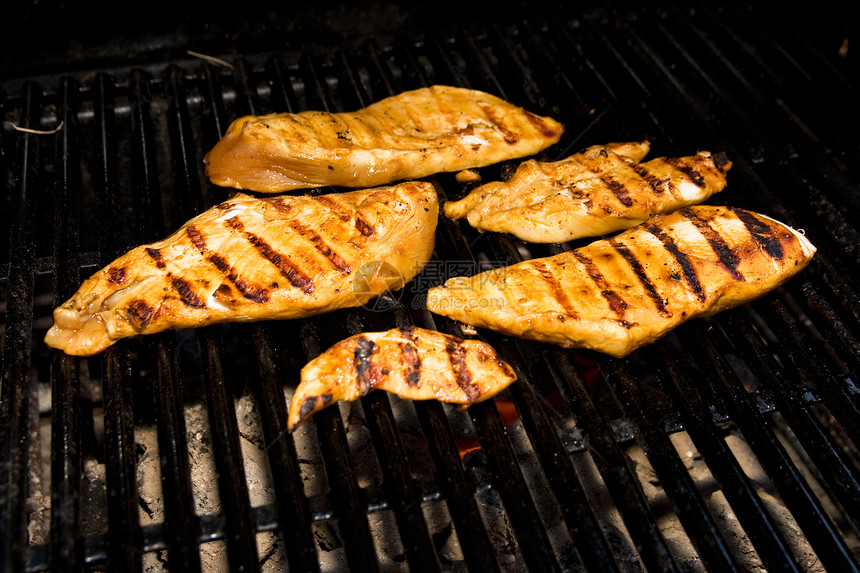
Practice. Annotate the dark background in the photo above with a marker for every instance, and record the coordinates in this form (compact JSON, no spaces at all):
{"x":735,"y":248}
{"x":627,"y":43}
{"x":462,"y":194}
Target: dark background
{"x":51,"y":36}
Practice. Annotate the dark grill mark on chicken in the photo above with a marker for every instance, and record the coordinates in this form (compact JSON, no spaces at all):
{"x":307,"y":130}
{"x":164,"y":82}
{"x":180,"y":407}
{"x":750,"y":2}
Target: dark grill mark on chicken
{"x":297,"y":278}
{"x":365,"y":228}
{"x":336,"y":209}
{"x":248,"y":290}
{"x":686,"y":266}
{"x":412,"y":363}
{"x":760,"y":232}
{"x":408,"y":332}
{"x":410,"y":356}
{"x":616,"y":304}
{"x":656,"y":183}
{"x":345,"y":215}
{"x":640,"y":274}
{"x":197,"y":238}
{"x":727,"y":257}
{"x":457,"y":356}
{"x":321,"y":246}
{"x":558,"y":292}
{"x":139,"y":313}
{"x":618,"y":189}
{"x":547,"y":130}
{"x":225,"y":294}
{"x":279,"y":204}
{"x":116,"y":275}
{"x":510,"y":137}
{"x":721,"y":160}
{"x":308,"y":406}
{"x":364,"y":369}
{"x":156,"y":256}
{"x":186,"y":294}
{"x":221,"y":264}
{"x":693,"y":174}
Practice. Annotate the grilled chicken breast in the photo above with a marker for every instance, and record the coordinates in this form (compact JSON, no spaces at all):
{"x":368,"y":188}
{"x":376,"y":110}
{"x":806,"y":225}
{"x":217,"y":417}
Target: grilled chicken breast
{"x":407,"y":136}
{"x":618,"y":294}
{"x":253,"y":259}
{"x":414,"y":363}
{"x":599,"y":190}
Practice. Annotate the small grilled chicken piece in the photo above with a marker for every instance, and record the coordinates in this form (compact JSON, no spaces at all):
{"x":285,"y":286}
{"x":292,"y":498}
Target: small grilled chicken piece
{"x":414,"y":363}
{"x":253,"y":259}
{"x":407,"y":136}
{"x":600,"y":190}
{"x":618,"y":294}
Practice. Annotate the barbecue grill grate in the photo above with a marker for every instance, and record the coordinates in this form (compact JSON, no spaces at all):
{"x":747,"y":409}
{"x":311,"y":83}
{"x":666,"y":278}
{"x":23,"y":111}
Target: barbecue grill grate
{"x":730,"y":445}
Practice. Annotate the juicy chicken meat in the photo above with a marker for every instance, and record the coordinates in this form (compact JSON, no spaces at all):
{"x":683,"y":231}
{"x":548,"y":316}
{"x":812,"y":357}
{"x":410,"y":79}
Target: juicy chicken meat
{"x":414,"y":363}
{"x":600,"y":190}
{"x":407,"y":136}
{"x":618,"y":294}
{"x":253,"y":259}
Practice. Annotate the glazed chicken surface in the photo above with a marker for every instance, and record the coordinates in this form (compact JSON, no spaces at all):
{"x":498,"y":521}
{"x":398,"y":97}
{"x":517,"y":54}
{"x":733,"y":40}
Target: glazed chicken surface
{"x":618,"y":294}
{"x":600,"y":190}
{"x":413,"y":363}
{"x":406,"y":136}
{"x":251,"y":259}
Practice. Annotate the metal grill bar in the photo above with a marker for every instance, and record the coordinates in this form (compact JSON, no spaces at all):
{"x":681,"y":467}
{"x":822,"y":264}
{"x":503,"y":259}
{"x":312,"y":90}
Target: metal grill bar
{"x":477,"y":547}
{"x":752,"y":513}
{"x":420,"y":552}
{"x":186,"y":179}
{"x":240,"y":530}
{"x":294,"y":515}
{"x":828,"y":458}
{"x":181,"y":529}
{"x":239,"y":527}
{"x":678,"y":484}
{"x":124,"y":551}
{"x":838,"y":333}
{"x":66,"y":464}
{"x":788,"y":480}
{"x":614,"y":468}
{"x":15,"y":393}
{"x":584,"y":527}
{"x":810,"y":368}
{"x":124,"y":541}
{"x":505,"y":472}
{"x":346,"y":503}
{"x":147,"y":188}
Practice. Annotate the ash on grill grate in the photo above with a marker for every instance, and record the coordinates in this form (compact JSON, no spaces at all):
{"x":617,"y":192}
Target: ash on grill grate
{"x":732,"y":444}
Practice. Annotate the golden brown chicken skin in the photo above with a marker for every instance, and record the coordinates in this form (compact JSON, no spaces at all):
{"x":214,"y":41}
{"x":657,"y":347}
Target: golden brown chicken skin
{"x":407,"y":136}
{"x":618,"y":294}
{"x":251,"y":259}
{"x":600,"y":190}
{"x":414,"y":363}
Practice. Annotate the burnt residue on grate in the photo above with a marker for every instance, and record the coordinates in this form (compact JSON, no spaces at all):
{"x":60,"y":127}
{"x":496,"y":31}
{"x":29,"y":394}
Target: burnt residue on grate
{"x":732,"y":444}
